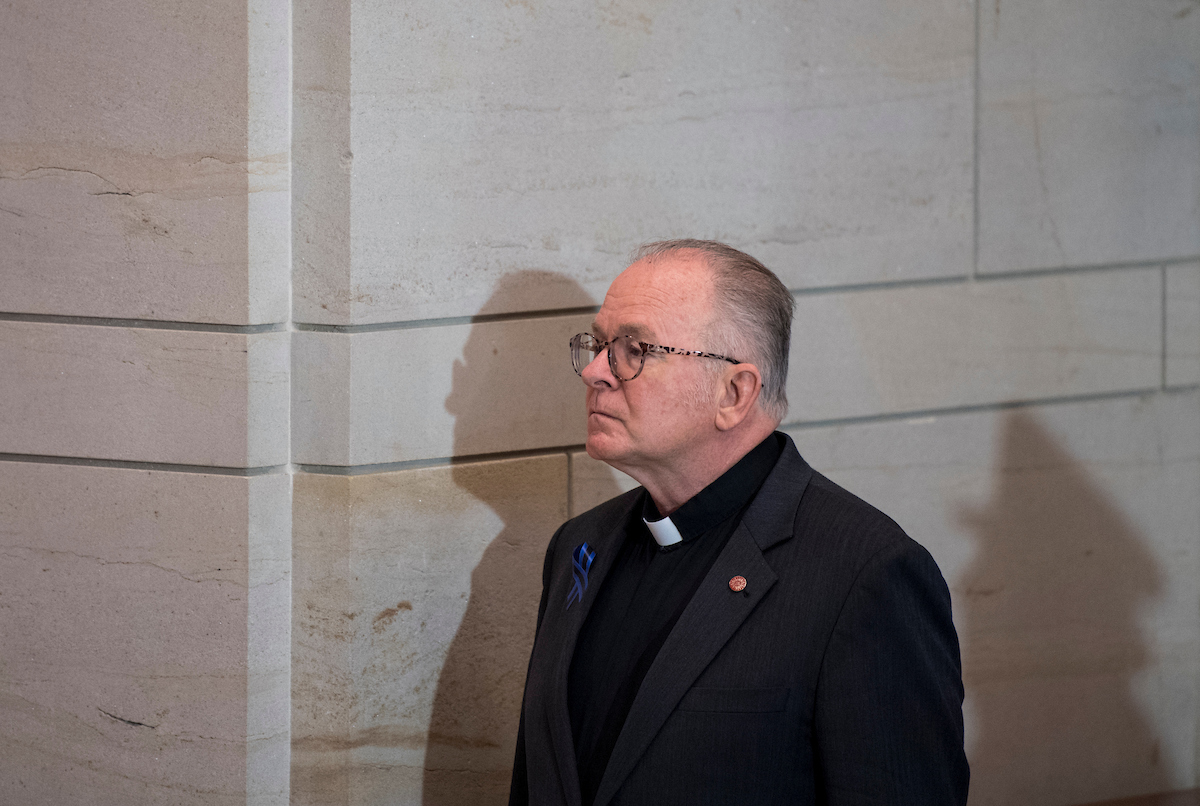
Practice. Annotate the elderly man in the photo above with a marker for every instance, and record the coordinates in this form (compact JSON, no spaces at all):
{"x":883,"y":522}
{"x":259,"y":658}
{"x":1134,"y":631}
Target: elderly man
{"x":739,"y":629}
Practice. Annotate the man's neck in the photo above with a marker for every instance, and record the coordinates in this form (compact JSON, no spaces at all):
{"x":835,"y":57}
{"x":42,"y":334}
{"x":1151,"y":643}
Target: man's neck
{"x":670,"y":488}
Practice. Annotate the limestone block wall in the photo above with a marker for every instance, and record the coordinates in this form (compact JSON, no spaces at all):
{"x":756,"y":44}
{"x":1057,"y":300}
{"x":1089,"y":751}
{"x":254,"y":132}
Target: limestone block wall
{"x":287,"y":419}
{"x":990,"y":217}
{"x":145,"y":499}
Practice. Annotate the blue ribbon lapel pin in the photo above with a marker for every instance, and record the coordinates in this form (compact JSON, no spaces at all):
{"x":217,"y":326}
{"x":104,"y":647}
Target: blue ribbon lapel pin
{"x":581,"y":563}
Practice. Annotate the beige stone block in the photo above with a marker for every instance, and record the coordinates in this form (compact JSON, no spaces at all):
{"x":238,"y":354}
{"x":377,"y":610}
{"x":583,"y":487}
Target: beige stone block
{"x":426,"y":392}
{"x":269,"y":640}
{"x":1183,"y":324}
{"x":831,"y":139}
{"x":268,"y":160}
{"x":414,"y":603}
{"x":321,"y":394}
{"x":144,"y":620}
{"x":1089,"y":134}
{"x":463,"y":390}
{"x":143,"y":160}
{"x":323,"y":160}
{"x":144,"y":394}
{"x":1068,"y":535}
{"x":593,"y":482}
{"x":880,"y":351}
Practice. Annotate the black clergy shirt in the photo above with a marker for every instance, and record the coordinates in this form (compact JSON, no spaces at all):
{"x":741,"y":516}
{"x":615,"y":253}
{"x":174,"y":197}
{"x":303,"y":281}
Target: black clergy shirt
{"x":642,"y":597}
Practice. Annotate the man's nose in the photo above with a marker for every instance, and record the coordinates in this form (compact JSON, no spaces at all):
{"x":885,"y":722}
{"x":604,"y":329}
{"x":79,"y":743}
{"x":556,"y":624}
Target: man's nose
{"x":598,"y":373}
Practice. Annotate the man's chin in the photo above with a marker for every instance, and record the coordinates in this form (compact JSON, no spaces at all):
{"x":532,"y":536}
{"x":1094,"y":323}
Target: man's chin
{"x":600,"y":446}
{"x":593,"y":450}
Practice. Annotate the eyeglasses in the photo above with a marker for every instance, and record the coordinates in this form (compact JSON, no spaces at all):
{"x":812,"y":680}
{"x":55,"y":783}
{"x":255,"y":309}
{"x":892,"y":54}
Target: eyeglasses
{"x":626,"y":355}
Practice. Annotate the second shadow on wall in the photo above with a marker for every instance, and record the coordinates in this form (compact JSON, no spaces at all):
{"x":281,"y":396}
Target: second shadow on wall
{"x":1052,"y":643}
{"x":476,"y":707}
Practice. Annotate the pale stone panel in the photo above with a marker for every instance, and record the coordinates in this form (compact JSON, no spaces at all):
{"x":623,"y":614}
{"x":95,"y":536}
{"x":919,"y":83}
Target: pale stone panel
{"x":269,"y":640}
{"x":881,"y":351}
{"x":324,"y":691}
{"x":323,"y":161}
{"x":831,"y":139}
{"x":321,"y":394}
{"x":426,"y":392}
{"x":268,"y":158}
{"x":268,"y":392}
{"x":140,"y":615}
{"x":461,"y":390}
{"x":414,"y":603}
{"x":593,"y":482}
{"x":144,"y":394}
{"x":1183,"y":325}
{"x":1089,"y":132}
{"x":1068,"y":534}
{"x":134,"y":137}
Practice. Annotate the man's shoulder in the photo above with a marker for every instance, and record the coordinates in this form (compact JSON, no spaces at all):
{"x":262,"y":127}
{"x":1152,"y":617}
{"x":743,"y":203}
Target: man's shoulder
{"x":837,"y":541}
{"x":796,"y":497}
{"x":830,"y":499}
{"x":835,"y":518}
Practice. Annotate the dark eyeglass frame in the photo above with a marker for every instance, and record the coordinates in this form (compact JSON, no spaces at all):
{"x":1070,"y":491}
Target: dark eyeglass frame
{"x":578,"y":364}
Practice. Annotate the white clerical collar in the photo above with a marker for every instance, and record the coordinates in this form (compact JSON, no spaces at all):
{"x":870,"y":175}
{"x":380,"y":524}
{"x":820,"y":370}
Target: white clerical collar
{"x":664,"y":532}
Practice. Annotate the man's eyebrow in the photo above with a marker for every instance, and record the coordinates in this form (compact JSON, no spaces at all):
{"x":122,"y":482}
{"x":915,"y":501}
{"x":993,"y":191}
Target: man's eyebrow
{"x":633,"y":329}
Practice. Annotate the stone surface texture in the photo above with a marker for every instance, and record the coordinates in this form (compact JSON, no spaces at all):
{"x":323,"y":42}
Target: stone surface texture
{"x":863,"y":353}
{"x":1089,"y":132}
{"x":145,"y":510}
{"x":414,"y":600}
{"x":130,"y":661}
{"x":420,"y":393}
{"x":142,"y":158}
{"x":142,"y":394}
{"x":287,"y":417}
{"x":1182,"y":313}
{"x":832,"y":138}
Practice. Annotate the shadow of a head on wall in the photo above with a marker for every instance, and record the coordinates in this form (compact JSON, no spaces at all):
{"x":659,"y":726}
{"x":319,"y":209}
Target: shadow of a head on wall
{"x":476,"y":707}
{"x":1052,"y":644}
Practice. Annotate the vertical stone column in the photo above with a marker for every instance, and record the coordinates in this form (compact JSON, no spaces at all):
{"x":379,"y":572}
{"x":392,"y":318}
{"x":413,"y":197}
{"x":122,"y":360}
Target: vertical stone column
{"x":145,"y":512}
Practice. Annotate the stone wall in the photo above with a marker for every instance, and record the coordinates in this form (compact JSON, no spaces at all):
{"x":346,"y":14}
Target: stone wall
{"x":287,"y":417}
{"x":145,"y":498}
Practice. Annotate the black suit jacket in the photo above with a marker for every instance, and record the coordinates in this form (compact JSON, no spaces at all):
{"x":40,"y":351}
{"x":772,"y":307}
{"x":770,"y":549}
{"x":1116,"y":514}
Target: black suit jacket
{"x":833,"y":678}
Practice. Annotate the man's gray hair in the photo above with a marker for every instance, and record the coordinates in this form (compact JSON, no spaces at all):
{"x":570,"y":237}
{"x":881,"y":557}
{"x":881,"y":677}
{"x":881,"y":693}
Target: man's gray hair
{"x":752,"y":313}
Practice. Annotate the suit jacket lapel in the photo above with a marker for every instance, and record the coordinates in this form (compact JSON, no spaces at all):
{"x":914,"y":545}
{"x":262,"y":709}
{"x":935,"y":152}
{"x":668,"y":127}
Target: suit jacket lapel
{"x":712,"y":617}
{"x":606,"y":546}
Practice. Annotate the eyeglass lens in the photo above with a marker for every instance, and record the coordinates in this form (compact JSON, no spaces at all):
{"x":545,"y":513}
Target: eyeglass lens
{"x":625,"y":356}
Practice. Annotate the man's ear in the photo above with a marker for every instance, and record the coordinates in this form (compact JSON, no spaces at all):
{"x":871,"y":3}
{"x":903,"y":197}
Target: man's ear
{"x":740,"y":389}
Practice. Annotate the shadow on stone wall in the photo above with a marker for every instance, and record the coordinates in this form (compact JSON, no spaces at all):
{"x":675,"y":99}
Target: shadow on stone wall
{"x":477,"y":704}
{"x":1052,"y":644}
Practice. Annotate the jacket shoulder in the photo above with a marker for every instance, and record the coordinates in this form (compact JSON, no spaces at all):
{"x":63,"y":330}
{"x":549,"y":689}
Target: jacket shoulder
{"x":838,"y":520}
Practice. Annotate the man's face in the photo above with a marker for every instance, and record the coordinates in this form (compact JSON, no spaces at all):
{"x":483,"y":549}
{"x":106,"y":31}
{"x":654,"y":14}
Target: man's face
{"x":652,"y":422}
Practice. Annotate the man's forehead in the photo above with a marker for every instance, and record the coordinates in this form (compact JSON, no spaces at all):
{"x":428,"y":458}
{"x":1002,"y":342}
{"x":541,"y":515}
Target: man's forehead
{"x":663,"y":291}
